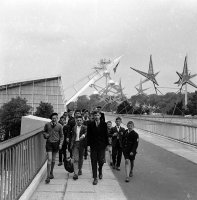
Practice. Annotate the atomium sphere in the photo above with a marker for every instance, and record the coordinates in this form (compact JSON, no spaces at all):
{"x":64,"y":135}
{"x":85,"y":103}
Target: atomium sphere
{"x":95,"y":92}
{"x":105,"y":72}
{"x":111,"y":82}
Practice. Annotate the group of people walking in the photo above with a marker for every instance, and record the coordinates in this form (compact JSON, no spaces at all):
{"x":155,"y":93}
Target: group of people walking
{"x":76,"y":133}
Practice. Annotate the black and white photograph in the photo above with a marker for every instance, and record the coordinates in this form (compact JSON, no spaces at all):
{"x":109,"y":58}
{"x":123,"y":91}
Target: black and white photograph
{"x":98,"y":100}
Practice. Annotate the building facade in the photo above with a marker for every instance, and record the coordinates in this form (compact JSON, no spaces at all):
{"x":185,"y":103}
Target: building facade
{"x":48,"y":90}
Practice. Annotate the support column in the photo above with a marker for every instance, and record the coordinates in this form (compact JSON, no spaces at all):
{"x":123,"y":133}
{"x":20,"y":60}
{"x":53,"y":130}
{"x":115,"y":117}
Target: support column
{"x":186,"y":96}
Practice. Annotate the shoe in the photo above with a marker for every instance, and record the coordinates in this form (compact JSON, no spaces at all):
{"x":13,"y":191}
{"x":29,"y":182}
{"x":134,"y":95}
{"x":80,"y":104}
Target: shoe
{"x":111,"y":164}
{"x":51,"y":176}
{"x":79,"y":172}
{"x":60,"y":163}
{"x":127,"y":179}
{"x":75,"y":177}
{"x":47,"y":181}
{"x":95,"y":181}
{"x":85,"y":157}
{"x":118,"y":168}
{"x":100,"y":176}
{"x":130,"y":174}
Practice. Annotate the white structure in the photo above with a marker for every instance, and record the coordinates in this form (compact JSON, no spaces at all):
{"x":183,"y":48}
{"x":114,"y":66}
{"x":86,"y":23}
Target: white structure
{"x":34,"y":91}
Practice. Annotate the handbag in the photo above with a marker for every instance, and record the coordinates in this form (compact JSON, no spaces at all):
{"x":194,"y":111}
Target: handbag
{"x":68,"y":165}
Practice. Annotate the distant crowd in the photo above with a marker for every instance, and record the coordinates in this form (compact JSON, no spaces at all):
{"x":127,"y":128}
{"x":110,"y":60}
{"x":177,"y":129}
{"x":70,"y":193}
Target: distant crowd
{"x":78,"y":130}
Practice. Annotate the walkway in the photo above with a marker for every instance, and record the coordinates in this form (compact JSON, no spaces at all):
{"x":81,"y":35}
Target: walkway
{"x":63,"y":187}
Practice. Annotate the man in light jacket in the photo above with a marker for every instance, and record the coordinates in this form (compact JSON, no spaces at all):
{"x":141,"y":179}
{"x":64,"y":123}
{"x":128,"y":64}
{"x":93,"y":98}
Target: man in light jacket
{"x":77,"y":146}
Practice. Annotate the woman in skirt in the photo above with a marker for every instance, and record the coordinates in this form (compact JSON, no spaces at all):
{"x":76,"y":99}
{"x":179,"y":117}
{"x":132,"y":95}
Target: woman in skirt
{"x":130,"y":144}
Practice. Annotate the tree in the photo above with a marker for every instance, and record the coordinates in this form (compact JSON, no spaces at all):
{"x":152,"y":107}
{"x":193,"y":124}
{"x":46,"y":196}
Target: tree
{"x":177,"y":109}
{"x":192,"y":105}
{"x":44,"y":110}
{"x":10,"y":116}
{"x":83,"y":103}
{"x":124,"y":107}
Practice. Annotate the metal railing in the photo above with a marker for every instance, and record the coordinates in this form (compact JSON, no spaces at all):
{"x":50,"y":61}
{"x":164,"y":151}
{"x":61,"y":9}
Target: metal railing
{"x":20,"y":160}
{"x":176,"y":130}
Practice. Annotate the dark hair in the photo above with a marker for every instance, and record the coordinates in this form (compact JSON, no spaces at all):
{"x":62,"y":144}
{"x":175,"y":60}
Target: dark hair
{"x":77,"y":111}
{"x":86,"y":111}
{"x":69,"y":110}
{"x":98,"y":107}
{"x":79,"y":117}
{"x":62,"y":117}
{"x":130,"y":122}
{"x":53,"y":114}
{"x":96,"y":112}
{"x":109,"y":122}
{"x":119,"y":118}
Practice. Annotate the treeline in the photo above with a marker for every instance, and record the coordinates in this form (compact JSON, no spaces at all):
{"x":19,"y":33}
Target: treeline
{"x":170,"y":103}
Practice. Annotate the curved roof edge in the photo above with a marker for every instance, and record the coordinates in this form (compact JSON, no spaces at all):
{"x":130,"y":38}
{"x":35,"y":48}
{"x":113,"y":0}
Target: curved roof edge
{"x":27,"y":81}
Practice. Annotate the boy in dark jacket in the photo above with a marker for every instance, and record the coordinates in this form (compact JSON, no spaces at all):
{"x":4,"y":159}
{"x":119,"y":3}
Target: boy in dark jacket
{"x":117,"y":134}
{"x":130,"y":143}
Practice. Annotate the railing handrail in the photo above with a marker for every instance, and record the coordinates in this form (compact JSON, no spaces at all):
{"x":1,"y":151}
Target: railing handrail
{"x":152,"y":120}
{"x":13,"y":141}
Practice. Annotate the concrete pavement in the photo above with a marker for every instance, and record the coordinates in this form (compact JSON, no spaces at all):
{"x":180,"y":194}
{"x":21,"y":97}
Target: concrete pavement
{"x":63,"y":187}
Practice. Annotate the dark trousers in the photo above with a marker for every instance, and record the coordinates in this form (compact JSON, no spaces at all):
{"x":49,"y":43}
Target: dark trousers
{"x":85,"y":151}
{"x":116,"y":155}
{"x":62,"y":152}
{"x":97,"y":157}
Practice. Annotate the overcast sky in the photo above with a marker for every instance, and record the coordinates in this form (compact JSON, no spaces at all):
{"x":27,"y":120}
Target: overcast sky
{"x":40,"y":38}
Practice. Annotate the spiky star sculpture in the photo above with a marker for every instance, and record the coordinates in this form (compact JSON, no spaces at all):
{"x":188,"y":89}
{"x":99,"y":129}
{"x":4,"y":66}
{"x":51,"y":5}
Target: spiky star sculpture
{"x":185,"y":76}
{"x":150,"y":76}
{"x":140,"y":89}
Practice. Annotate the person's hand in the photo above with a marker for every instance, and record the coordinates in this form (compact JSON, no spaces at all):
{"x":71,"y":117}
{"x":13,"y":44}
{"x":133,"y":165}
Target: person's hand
{"x":82,"y":137}
{"x":115,"y":134}
{"x":46,"y":135}
{"x":131,"y":154}
{"x":60,"y":146}
{"x":67,"y":139}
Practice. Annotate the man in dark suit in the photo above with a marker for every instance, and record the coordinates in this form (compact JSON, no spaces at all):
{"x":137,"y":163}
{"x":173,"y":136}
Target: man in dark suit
{"x":71,"y":124}
{"x":101,"y":113}
{"x":97,"y":139}
{"x":77,"y":145}
{"x":117,"y":134}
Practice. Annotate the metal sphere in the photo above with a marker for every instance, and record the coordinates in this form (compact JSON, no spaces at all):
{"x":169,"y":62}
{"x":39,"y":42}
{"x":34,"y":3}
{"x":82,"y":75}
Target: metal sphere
{"x":95,"y":92}
{"x":111,"y":82}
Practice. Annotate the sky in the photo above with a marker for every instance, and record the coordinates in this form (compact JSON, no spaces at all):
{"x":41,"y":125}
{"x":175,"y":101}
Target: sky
{"x":43,"y":38}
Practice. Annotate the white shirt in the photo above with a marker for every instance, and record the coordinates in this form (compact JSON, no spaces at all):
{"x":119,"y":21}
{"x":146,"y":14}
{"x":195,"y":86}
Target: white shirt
{"x":78,"y":131}
{"x":118,"y":128}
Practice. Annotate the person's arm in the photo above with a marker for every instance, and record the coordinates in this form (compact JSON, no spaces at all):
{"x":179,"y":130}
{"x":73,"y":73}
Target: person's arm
{"x":110,"y":134}
{"x":106,"y":134}
{"x":88,"y":134}
{"x":66,"y":131}
{"x":114,"y":132}
{"x":45,"y":132}
{"x":84,"y":132}
{"x":61,"y":136}
{"x":104,"y":117}
{"x":135,"y":144}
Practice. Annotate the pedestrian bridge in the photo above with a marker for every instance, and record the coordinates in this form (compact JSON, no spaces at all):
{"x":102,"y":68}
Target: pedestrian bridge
{"x":23,"y":157}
